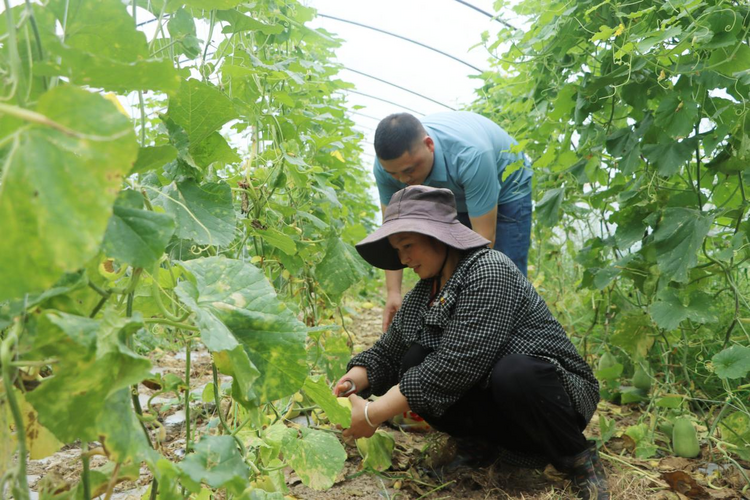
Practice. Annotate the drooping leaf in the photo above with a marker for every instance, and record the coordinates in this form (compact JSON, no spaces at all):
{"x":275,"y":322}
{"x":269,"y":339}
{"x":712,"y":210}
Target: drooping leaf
{"x":735,"y":429}
{"x":322,"y":396}
{"x":57,"y":191}
{"x":732,"y":363}
{"x":203,"y":213}
{"x":317,"y":458}
{"x":88,"y":352}
{"x":277,"y":239}
{"x":676,"y":116}
{"x":40,"y":441}
{"x":137,"y":237}
{"x":634,"y":333}
{"x":238,"y":22}
{"x":668,"y":157}
{"x":214,"y":149}
{"x":548,"y":210}
{"x":669,"y":311}
{"x":678,"y":238}
{"x":377,"y":451}
{"x":239,"y":296}
{"x":217,"y":462}
{"x":200,"y":109}
{"x":340,"y":268}
{"x":121,"y":432}
{"x":153,"y":157}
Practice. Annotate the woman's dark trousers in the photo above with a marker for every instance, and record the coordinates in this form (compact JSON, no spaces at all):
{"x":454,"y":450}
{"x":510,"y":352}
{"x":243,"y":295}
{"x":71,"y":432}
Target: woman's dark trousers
{"x":525,"y":408}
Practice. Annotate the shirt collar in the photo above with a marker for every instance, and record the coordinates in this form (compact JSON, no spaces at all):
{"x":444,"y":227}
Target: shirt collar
{"x":439,"y":171}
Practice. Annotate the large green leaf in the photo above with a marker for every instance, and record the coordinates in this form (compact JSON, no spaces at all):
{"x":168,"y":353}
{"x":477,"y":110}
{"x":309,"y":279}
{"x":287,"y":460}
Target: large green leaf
{"x":152,"y":157}
{"x":203,"y":213}
{"x":104,"y":49}
{"x":340,"y":268}
{"x":322,"y":396}
{"x":669,"y":311}
{"x":678,"y":238}
{"x":216,"y":461}
{"x":239,"y":296}
{"x":676,"y":116}
{"x":200,"y":109}
{"x":214,"y":149}
{"x":376,"y":451}
{"x":137,"y":237}
{"x":57,"y":190}
{"x":668,"y":156}
{"x":88,"y":352}
{"x":735,"y":429}
{"x":277,"y":239}
{"x":547,"y":210}
{"x":732,"y":363}
{"x":317,"y":458}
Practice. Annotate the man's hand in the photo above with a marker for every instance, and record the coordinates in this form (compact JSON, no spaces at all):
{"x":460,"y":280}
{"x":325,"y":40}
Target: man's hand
{"x":357,"y":375}
{"x":359,"y":428}
{"x":392,"y":305}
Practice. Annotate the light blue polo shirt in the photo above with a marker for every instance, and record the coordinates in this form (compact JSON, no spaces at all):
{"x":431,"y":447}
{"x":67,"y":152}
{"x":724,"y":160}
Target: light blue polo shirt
{"x":471,"y":154}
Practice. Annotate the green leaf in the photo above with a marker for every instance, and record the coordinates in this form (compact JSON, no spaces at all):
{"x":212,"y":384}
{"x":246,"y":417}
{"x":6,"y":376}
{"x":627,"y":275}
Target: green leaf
{"x":212,"y":4}
{"x":668,"y":157}
{"x":322,"y":396}
{"x":735,"y":429}
{"x":203,"y":213}
{"x":277,"y":239}
{"x":200,"y":109}
{"x":634,"y":333}
{"x":216,"y":461}
{"x":678,"y":238}
{"x":238,"y":295}
{"x":732,"y":363}
{"x":137,"y":237}
{"x":57,"y":191}
{"x":121,"y":431}
{"x":214,"y":149}
{"x":88,"y":352}
{"x":731,"y":60}
{"x":82,"y":68}
{"x":547,"y":210}
{"x":340,"y":268}
{"x":377,"y":451}
{"x":317,"y":458}
{"x":676,"y":116}
{"x":153,"y":157}
{"x":238,"y":22}
{"x":668,"y":311}
{"x":670,"y":401}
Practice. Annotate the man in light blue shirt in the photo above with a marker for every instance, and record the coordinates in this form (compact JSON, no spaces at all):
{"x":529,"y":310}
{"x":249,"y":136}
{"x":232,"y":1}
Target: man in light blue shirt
{"x":468,"y":154}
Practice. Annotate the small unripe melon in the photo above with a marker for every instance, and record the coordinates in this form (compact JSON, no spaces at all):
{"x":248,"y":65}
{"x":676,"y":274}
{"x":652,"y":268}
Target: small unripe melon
{"x":684,"y":439}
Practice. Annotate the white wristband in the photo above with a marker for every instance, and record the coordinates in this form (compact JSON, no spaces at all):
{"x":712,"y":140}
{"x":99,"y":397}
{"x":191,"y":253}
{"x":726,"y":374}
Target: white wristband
{"x":367,"y":417}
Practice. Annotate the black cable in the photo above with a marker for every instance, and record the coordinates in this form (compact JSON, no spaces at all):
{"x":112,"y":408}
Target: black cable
{"x":494,"y":18}
{"x":399,"y":87}
{"x":383,"y":100}
{"x":402,"y":38}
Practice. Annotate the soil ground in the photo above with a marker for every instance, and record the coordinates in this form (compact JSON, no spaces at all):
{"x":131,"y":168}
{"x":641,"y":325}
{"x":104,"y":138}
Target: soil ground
{"x":662,"y":477}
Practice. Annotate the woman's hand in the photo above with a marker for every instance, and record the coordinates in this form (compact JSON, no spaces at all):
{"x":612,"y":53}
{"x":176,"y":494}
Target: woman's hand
{"x":359,"y":428}
{"x":357,"y":376}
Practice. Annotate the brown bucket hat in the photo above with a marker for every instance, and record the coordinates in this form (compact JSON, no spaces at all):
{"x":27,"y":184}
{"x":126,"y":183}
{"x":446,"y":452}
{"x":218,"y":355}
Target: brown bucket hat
{"x":418,"y":209}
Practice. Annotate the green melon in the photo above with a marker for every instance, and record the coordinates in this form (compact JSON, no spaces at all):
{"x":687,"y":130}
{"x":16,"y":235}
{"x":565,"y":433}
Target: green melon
{"x":684,"y":439}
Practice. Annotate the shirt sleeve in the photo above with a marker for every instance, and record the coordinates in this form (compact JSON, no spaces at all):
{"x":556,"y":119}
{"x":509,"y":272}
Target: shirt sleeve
{"x":387,"y":185}
{"x":478,"y":176}
{"x":480,"y":325}
{"x":383,"y":359}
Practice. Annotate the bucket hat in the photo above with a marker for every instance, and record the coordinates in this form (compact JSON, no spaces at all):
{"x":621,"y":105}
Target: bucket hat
{"x":418,"y":209}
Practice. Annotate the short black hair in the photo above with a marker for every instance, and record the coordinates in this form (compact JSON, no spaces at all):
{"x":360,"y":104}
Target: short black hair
{"x":396,"y":134}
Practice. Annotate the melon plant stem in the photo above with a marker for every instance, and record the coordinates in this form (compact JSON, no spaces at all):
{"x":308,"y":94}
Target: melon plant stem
{"x":21,"y":492}
{"x":85,"y":476}
{"x":217,"y":401}
{"x":188,"y":444}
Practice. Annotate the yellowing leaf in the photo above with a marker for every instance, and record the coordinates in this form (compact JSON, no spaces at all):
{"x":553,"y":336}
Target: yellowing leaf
{"x":338,"y":155}
{"x":620,"y":29}
{"x":112,"y":97}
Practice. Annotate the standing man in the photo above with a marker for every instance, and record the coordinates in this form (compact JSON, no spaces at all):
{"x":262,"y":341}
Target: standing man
{"x":468,"y":154}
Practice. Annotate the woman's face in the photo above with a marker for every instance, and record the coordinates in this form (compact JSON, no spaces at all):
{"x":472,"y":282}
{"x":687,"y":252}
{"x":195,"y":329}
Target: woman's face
{"x":421,"y":253}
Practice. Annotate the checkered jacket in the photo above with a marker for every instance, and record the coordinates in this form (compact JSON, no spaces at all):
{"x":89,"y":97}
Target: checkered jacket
{"x":486,"y":310}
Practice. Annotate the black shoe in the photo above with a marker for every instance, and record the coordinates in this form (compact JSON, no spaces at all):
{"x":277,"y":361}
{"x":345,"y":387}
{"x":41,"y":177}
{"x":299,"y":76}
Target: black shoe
{"x":587,"y":474}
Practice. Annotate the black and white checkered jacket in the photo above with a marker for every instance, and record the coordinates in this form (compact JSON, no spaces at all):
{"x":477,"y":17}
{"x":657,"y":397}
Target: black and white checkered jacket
{"x":486,"y":310}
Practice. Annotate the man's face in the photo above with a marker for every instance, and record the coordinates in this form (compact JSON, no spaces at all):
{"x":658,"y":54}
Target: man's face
{"x":413,"y":166}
